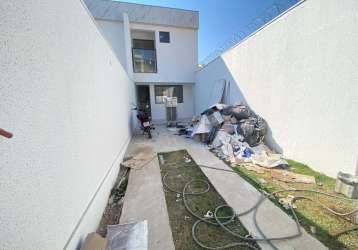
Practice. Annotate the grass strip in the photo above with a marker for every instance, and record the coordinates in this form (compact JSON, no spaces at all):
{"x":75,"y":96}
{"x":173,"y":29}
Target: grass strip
{"x":181,"y":222}
{"x":333,"y":231}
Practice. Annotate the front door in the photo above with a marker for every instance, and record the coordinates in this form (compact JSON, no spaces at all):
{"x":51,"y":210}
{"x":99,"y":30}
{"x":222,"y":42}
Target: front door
{"x":144,"y":98}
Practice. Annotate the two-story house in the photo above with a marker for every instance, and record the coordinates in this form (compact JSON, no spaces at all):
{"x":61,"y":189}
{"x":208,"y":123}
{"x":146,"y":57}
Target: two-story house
{"x":158,"y":47}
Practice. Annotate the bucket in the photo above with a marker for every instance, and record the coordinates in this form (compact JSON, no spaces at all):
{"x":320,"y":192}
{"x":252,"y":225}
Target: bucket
{"x":347,"y":184}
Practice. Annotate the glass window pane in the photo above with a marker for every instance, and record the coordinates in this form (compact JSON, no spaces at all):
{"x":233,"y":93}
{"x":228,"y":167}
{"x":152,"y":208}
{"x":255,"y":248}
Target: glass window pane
{"x":164,"y":37}
{"x":168,"y":91}
{"x":144,"y":61}
{"x":143,"y":44}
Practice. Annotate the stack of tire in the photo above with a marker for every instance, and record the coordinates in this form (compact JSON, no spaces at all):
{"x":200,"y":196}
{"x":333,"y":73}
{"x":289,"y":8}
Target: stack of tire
{"x":251,"y":126}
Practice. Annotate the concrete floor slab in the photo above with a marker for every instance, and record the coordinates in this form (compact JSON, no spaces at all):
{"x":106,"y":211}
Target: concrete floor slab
{"x":144,"y":200}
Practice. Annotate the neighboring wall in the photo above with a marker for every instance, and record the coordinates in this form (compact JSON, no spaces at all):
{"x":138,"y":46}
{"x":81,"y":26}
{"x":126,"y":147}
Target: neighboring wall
{"x":300,"y":74}
{"x":65,"y":96}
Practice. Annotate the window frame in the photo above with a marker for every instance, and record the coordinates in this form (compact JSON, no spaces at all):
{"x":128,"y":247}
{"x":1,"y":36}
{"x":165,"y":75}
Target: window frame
{"x":180,"y":99}
{"x":143,"y":47}
{"x":155,"y":67}
{"x":160,"y":38}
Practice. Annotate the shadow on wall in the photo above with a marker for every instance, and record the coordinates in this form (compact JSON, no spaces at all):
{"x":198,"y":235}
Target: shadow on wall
{"x":217,"y":70}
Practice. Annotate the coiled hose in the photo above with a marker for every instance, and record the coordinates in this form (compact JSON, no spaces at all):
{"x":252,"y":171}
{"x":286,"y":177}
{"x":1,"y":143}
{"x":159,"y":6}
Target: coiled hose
{"x":244,"y":241}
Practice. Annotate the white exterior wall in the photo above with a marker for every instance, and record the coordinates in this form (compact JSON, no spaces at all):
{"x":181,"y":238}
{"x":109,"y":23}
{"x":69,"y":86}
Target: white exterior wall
{"x":65,"y":96}
{"x":176,"y":64}
{"x":176,"y":61}
{"x":185,"y":110}
{"x":300,"y":74}
{"x":114,"y":33}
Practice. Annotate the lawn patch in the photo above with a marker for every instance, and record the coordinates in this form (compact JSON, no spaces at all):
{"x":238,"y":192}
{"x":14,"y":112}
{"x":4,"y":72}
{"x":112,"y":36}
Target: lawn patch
{"x":178,"y":172}
{"x":333,"y":231}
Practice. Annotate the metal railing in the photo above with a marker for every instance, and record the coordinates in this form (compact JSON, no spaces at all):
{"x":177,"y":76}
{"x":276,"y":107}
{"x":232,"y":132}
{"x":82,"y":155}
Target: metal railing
{"x":275,"y":10}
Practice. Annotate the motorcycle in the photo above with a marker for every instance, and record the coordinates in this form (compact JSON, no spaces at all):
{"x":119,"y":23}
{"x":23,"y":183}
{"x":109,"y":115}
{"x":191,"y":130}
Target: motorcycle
{"x":144,"y":120}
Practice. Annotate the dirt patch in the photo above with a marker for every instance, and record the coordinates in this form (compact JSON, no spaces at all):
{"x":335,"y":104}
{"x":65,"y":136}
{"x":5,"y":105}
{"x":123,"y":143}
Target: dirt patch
{"x":113,"y":210}
{"x":140,"y":157}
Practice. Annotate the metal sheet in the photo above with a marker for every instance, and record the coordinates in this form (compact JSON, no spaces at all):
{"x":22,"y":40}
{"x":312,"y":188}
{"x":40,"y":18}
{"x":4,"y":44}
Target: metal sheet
{"x":131,"y":236}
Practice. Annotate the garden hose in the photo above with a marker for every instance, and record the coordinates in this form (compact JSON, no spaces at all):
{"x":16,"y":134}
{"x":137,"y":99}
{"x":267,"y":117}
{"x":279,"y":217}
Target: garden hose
{"x":301,"y":197}
{"x":244,"y":241}
{"x":203,"y":219}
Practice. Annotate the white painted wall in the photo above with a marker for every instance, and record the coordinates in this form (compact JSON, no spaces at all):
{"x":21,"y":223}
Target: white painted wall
{"x":127,"y":45}
{"x":185,"y":110}
{"x":65,"y":96}
{"x":299,"y":73}
{"x":114,"y":33}
{"x":145,"y":35}
{"x":176,"y":61}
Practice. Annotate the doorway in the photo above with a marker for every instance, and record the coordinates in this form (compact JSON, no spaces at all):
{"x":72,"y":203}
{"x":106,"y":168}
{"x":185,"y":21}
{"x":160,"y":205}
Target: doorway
{"x":143,"y":95}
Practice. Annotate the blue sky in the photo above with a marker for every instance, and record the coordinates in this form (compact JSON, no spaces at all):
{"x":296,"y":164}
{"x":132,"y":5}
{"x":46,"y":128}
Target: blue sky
{"x":219,"y":19}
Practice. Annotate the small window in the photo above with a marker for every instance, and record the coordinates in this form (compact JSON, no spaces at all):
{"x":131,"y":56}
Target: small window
{"x":168,"y":91}
{"x":164,"y":37}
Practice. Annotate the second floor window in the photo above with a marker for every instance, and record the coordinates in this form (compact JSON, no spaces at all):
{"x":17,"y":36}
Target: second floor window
{"x":144,"y":56}
{"x":164,"y":37}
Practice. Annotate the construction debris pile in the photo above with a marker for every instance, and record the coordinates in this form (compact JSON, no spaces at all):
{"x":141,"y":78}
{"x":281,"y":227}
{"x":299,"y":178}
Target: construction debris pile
{"x":235,"y":133}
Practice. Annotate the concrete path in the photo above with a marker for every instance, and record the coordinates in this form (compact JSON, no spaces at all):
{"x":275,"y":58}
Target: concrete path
{"x":239,"y":194}
{"x":145,"y":200}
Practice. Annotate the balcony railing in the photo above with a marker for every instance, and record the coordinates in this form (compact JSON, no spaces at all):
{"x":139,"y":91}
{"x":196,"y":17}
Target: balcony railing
{"x":144,"y":60}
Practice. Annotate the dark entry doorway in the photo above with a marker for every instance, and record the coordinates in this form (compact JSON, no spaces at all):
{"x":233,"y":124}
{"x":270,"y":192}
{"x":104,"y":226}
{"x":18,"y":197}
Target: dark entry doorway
{"x":143,"y":95}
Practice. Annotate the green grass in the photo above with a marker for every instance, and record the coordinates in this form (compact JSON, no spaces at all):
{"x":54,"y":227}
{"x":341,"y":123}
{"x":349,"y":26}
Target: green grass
{"x":181,"y":222}
{"x":328,"y":227}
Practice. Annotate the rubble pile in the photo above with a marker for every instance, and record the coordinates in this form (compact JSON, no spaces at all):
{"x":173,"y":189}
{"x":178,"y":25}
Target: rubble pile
{"x":236,"y":134}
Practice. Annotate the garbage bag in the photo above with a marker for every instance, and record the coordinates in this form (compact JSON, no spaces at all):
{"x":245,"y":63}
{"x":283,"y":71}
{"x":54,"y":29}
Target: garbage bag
{"x":253,"y":130}
{"x":227,"y":111}
{"x":242,"y":112}
{"x":261,"y":126}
